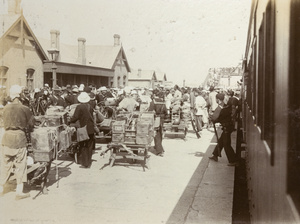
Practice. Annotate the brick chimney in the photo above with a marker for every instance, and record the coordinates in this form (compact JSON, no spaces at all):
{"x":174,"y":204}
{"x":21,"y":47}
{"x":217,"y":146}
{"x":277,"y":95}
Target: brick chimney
{"x":14,"y":7}
{"x":81,"y":51}
{"x":55,"y":41}
{"x":116,"y":40}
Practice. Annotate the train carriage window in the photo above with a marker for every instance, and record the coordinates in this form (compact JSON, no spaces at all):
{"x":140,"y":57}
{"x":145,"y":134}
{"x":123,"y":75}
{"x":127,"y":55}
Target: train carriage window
{"x":260,"y":74}
{"x":265,"y":78}
{"x":268,"y":81}
{"x":293,"y":184}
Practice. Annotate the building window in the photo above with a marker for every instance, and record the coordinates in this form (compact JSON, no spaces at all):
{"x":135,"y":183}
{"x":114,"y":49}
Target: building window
{"x":3,"y":76}
{"x":124,"y":80}
{"x":30,"y":79}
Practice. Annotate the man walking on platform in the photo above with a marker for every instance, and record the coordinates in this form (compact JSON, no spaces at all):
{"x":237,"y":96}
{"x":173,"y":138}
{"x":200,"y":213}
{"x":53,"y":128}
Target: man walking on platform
{"x":17,"y":119}
{"x":222,"y":115}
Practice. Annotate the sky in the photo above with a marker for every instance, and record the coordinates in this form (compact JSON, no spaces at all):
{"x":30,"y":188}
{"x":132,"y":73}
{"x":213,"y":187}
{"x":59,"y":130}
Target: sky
{"x":182,"y":38}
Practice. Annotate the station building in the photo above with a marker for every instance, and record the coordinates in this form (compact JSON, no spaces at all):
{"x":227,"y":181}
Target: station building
{"x":30,"y":61}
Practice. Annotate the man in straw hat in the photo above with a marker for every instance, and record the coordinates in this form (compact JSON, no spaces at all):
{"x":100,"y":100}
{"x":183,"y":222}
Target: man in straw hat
{"x":84,"y":113}
{"x":16,"y":118}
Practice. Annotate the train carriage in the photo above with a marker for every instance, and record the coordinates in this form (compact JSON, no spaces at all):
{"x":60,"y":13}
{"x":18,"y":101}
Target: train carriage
{"x":271,"y":111}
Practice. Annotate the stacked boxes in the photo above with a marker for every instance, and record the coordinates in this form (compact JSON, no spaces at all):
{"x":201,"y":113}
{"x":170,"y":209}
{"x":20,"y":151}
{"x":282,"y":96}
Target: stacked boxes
{"x":139,"y":130}
{"x":130,"y":137}
{"x":145,"y":128}
{"x":51,"y":136}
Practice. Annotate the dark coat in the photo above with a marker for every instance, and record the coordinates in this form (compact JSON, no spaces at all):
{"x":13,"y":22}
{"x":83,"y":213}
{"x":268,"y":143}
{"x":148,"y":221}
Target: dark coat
{"x":84,"y":114}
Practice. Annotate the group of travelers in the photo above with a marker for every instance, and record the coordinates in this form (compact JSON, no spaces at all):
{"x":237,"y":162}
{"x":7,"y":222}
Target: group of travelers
{"x":208,"y":107}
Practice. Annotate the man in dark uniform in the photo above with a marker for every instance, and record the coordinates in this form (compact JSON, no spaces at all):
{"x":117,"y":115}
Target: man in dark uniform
{"x":17,"y":119}
{"x":158,"y":105}
{"x":72,"y":98}
{"x":222,"y":115}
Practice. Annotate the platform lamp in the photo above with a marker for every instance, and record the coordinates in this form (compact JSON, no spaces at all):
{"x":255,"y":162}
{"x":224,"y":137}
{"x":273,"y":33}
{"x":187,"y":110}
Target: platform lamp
{"x":53,"y":52}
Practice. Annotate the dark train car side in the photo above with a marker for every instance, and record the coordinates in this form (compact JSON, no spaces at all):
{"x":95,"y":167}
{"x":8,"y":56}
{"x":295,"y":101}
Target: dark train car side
{"x":271,"y":111}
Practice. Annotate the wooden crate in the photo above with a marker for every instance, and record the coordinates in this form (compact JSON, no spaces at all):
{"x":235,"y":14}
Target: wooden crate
{"x":130,"y":133}
{"x":118,"y":137}
{"x":118,"y":127}
{"x":147,"y":117}
{"x":143,"y":139}
{"x":130,"y":140}
{"x":143,"y":128}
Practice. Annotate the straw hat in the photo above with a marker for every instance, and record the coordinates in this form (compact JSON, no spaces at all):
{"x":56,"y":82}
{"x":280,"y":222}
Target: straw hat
{"x":84,"y":97}
{"x":102,"y":88}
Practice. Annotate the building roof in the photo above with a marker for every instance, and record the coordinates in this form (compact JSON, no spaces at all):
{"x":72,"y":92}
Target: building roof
{"x":96,"y":55}
{"x":7,"y":21}
{"x":142,"y":75}
{"x":161,"y":76}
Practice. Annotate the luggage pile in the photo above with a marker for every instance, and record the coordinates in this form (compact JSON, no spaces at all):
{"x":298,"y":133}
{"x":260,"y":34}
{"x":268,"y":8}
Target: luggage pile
{"x":135,"y":129}
{"x":52,"y":136}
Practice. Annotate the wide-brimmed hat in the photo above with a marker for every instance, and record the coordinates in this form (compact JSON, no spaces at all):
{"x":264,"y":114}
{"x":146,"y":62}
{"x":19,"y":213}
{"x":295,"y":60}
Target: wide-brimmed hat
{"x":56,"y":88}
{"x":84,"y":97}
{"x":102,"y":88}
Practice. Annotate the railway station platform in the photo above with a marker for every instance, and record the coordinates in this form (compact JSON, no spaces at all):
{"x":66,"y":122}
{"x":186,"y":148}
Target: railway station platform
{"x":208,"y":197}
{"x":182,"y":187}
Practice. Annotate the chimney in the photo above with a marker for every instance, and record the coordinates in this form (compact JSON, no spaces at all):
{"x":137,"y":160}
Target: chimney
{"x":116,"y":40}
{"x":139,"y":72}
{"x":55,"y":41}
{"x":14,"y":7}
{"x":81,"y":51}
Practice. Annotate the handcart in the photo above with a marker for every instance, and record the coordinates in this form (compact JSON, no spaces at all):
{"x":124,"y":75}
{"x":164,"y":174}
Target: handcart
{"x":132,"y":135}
{"x":50,"y":139}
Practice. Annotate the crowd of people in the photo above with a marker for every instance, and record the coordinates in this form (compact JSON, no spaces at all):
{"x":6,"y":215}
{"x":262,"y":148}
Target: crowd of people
{"x":207,"y":106}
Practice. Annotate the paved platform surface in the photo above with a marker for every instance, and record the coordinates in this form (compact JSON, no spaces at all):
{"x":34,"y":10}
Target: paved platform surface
{"x":181,"y":187}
